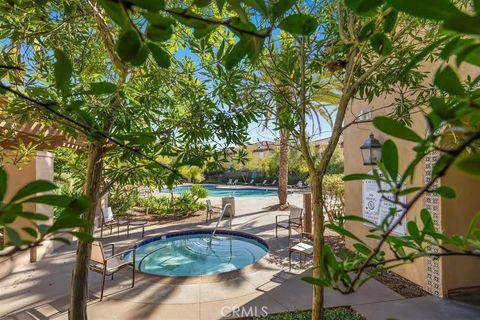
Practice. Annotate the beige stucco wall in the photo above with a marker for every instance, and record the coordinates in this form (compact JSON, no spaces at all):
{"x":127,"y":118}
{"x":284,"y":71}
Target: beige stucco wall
{"x":353,"y":138}
{"x":37,"y":167}
{"x":455,"y":272}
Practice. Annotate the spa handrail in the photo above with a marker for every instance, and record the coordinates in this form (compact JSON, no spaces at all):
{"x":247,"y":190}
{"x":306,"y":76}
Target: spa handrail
{"x":220,"y":218}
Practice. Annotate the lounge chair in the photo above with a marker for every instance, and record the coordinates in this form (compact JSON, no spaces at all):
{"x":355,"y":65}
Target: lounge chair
{"x":274,"y":182}
{"x":264,"y":183}
{"x":304,"y":247}
{"x":295,"y":221}
{"x":235,"y":182}
{"x":109,"y":221}
{"x":108,"y":266}
{"x":229,"y":181}
{"x":210,"y":210}
{"x":252,"y":181}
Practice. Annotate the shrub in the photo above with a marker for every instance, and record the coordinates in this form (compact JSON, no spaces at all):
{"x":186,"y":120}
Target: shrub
{"x":122,"y":199}
{"x":333,"y":196}
{"x":183,"y":205}
{"x":198,"y":191}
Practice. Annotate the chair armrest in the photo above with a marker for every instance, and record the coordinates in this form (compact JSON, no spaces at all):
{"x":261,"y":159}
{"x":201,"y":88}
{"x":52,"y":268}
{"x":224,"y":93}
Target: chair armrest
{"x":121,"y":253}
{"x":280,"y":215}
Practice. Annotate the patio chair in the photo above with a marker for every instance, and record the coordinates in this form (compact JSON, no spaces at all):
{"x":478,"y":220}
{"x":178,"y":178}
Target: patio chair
{"x":252,"y":181}
{"x":109,"y":221}
{"x":210,"y":210}
{"x":108,"y":266}
{"x":303,"y":247}
{"x":295,"y":221}
{"x":274,"y":182}
{"x":235,"y":182}
{"x":264,"y":183}
{"x":229,"y":181}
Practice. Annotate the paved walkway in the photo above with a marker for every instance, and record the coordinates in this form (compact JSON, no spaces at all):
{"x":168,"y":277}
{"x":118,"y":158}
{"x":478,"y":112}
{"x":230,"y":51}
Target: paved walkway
{"x":40,"y":290}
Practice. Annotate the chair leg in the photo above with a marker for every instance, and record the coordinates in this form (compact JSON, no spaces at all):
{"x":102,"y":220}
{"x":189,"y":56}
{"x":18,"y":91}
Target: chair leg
{"x":118,"y":231}
{"x":290,"y":260}
{"x":143,"y":231}
{"x":128,"y":230}
{"x":276,"y":231}
{"x":103,"y":282}
{"x":101,"y":231}
{"x":133,"y":276}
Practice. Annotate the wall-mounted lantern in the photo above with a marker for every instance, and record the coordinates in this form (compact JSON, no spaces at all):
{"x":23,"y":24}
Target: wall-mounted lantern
{"x":371,"y":151}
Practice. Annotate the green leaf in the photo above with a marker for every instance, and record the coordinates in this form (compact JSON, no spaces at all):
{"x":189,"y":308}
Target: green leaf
{"x":141,"y":56}
{"x":441,"y":109}
{"x":32,"y":216}
{"x":427,"y":220}
{"x":390,"y":21}
{"x":32,"y":232}
{"x":363,"y":249}
{"x":396,"y":129}
{"x":33,"y":188}
{"x":158,"y":33}
{"x":390,"y":158}
{"x":430,"y":9}
{"x":236,"y":54}
{"x":366,"y":31}
{"x":56,"y":200}
{"x":381,"y":43}
{"x":414,"y":232}
{"x":317,"y":281}
{"x":472,"y":224}
{"x":161,"y":57}
{"x":82,"y":236}
{"x":103,"y":87}
{"x":408,"y":191}
{"x":220,"y":4}
{"x":445,"y":192}
{"x":254,"y":46}
{"x":301,"y":24}
{"x":363,"y":6}
{"x":358,"y":176}
{"x":13,"y":236}
{"x":129,"y":45}
{"x":343,"y":232}
{"x":462,"y":23}
{"x":3,"y":183}
{"x":356,"y":218}
{"x":258,"y":5}
{"x":63,"y":69}
{"x":116,"y":11}
{"x":201,"y":3}
{"x":280,"y":7}
{"x":446,"y":79}
{"x":469,"y":164}
{"x":151,"y":5}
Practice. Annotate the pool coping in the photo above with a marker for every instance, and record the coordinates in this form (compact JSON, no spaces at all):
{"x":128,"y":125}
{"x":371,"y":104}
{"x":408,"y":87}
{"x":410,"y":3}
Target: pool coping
{"x":258,"y":265}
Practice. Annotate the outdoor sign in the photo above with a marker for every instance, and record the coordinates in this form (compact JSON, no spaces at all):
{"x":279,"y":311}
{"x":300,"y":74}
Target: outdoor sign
{"x":375,"y":208}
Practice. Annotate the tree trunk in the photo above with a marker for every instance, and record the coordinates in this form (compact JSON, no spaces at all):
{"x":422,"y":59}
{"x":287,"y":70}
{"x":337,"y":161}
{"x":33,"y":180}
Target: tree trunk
{"x":79,"y":290}
{"x":283,"y":168}
{"x":318,"y":241}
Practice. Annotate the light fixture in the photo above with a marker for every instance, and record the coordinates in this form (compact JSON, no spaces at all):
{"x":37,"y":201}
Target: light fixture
{"x":371,"y":151}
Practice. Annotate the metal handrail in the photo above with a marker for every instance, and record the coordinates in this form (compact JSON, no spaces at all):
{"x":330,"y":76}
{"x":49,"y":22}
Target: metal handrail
{"x":219,"y":219}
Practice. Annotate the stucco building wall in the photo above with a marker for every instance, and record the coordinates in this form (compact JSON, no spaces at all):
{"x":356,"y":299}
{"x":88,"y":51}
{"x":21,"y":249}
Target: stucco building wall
{"x":453,"y":216}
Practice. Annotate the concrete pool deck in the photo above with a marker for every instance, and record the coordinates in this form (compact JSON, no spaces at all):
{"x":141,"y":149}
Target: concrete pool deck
{"x":41,"y":290}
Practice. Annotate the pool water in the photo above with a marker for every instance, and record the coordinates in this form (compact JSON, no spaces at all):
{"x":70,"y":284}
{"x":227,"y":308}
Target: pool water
{"x":222,"y":191}
{"x":193,"y":255}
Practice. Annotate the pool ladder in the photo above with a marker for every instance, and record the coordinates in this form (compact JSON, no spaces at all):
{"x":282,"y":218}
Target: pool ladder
{"x":220,"y":219}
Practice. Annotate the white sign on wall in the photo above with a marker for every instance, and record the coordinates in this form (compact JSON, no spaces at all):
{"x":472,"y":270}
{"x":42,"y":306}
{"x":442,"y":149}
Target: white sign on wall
{"x":375,"y":208}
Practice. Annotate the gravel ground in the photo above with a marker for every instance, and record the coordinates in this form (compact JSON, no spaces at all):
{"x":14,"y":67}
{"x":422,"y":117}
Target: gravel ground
{"x":397,"y":283}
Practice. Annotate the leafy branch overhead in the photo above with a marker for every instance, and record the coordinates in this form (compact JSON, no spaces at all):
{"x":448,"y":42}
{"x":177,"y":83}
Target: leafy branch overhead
{"x":452,"y":120}
{"x":38,"y":228}
{"x":135,"y":43}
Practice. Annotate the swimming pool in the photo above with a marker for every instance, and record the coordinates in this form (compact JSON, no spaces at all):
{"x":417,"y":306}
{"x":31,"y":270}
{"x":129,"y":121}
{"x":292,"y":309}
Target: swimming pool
{"x":195,"y":253}
{"x":225,"y":191}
